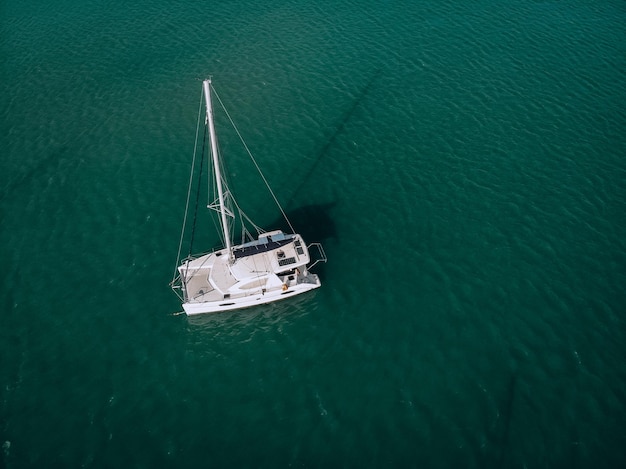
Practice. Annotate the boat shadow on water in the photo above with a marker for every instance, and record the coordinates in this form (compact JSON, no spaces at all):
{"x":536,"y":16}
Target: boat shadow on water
{"x":315,"y":223}
{"x":338,"y":128}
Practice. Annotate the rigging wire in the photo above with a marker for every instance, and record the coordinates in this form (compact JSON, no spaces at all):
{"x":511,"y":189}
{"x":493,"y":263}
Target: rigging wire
{"x":195,"y":212}
{"x":254,"y":161}
{"x":193,"y":162}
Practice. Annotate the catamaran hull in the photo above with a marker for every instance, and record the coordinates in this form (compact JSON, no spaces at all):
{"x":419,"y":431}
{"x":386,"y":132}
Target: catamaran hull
{"x":249,"y":301}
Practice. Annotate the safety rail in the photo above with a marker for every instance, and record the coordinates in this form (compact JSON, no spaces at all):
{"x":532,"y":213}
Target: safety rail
{"x":322,"y":255}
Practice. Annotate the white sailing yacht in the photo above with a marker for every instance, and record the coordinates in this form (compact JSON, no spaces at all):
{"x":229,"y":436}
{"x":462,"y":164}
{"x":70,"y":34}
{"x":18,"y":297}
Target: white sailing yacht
{"x":268,"y":267}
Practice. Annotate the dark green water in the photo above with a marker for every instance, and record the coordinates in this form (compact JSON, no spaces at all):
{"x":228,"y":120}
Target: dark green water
{"x":463,"y":164}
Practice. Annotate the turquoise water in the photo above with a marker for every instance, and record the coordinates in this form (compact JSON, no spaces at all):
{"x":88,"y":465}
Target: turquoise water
{"x":463,"y":164}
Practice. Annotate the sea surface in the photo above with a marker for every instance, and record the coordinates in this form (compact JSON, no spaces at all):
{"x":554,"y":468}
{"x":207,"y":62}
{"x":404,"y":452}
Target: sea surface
{"x":463,"y":164}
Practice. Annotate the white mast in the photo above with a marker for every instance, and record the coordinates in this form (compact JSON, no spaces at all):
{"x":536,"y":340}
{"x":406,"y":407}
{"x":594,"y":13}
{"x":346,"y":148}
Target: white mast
{"x":216,"y":165}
